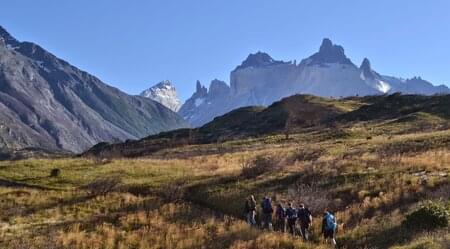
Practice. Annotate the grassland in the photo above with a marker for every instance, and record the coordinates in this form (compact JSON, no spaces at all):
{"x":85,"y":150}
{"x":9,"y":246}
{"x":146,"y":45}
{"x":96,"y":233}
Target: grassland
{"x":371,"y":173}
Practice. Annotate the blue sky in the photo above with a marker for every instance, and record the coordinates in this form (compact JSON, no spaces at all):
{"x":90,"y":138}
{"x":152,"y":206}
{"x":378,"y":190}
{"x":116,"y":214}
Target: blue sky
{"x":134,"y":44}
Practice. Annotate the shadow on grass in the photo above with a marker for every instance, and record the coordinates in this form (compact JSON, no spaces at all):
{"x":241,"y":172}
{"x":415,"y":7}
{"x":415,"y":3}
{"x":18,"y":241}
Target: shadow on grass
{"x":112,"y":217}
{"x":382,"y":238}
{"x":15,"y":184}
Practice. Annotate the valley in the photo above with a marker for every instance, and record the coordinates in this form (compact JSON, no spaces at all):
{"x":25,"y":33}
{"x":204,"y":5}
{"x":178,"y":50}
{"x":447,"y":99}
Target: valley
{"x":371,"y":173}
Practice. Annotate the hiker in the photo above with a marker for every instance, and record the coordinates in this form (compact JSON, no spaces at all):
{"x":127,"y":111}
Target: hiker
{"x":250,"y":210}
{"x":280,"y":214}
{"x":329,"y":226}
{"x":291,"y":215}
{"x":305,"y":218}
{"x":267,"y":210}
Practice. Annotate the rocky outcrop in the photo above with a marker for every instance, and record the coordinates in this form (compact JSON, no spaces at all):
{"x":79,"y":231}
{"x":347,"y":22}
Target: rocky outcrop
{"x":328,"y":53}
{"x":205,"y":104}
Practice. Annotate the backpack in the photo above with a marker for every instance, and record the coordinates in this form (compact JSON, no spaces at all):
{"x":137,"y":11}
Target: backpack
{"x":290,"y":213}
{"x":281,"y":212}
{"x":330,"y":222}
{"x":304,"y":215}
{"x":267,"y":206}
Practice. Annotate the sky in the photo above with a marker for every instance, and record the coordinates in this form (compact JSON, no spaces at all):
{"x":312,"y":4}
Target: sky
{"x":134,"y":44}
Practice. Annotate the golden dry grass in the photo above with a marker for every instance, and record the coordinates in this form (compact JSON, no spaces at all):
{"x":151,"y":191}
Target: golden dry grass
{"x":370,"y":183}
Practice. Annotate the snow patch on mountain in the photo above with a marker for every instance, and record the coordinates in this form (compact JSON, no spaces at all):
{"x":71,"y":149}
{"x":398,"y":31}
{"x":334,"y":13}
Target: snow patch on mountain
{"x":198,"y":102}
{"x":383,"y":86}
{"x":164,"y":93}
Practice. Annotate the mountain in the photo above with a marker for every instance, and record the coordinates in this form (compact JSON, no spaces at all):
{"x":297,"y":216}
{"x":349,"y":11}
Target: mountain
{"x":294,"y":113}
{"x":261,"y":80}
{"x":164,"y":93}
{"x":47,"y":103}
{"x":205,"y":104}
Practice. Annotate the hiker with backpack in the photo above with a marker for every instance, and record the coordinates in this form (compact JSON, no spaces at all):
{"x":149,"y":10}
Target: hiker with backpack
{"x":250,"y":210}
{"x":305,"y":218}
{"x":329,"y":226}
{"x":267,"y":211}
{"x":291,"y":215}
{"x":280,"y":214}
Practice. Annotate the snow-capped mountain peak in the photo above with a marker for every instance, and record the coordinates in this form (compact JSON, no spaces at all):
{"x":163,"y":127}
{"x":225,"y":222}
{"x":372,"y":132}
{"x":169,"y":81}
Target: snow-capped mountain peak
{"x":164,"y":93}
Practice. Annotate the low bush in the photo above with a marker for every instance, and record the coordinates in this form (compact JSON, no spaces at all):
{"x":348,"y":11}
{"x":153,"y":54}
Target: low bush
{"x":428,"y":216}
{"x":174,"y":192}
{"x":55,"y":172}
{"x":307,"y":154}
{"x":102,"y":186}
{"x":258,"y":166}
{"x":314,"y":197}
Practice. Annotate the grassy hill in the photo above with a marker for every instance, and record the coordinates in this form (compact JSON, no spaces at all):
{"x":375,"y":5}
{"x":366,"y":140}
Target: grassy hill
{"x":293,"y":114}
{"x":372,"y":172}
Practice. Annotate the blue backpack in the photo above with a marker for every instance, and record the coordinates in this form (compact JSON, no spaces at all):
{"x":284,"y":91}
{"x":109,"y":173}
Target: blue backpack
{"x":330,"y":222}
{"x":291,"y":213}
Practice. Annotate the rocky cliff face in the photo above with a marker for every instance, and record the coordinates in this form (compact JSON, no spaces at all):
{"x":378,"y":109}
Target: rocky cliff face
{"x":205,"y":103}
{"x":45,"y":102}
{"x":261,"y":80}
{"x":164,"y":93}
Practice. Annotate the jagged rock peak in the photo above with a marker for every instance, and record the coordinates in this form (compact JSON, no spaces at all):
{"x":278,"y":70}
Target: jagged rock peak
{"x":259,"y":59}
{"x":218,"y":87}
{"x":365,"y":65}
{"x":366,"y":70}
{"x":200,"y":89}
{"x":329,"y":53}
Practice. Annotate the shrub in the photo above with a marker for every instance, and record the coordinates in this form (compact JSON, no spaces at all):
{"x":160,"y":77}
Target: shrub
{"x":175,"y":191}
{"x":430,"y":215}
{"x":102,"y":186}
{"x":314,"y":197}
{"x":55,"y":172}
{"x":101,"y":160}
{"x":258,"y":166}
{"x":307,"y":154}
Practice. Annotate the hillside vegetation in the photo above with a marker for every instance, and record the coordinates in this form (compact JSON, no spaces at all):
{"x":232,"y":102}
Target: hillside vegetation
{"x":373,"y":173}
{"x":295,"y":114}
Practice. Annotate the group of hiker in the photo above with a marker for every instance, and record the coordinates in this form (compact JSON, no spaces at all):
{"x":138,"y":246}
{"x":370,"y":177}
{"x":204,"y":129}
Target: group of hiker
{"x":288,"y":219}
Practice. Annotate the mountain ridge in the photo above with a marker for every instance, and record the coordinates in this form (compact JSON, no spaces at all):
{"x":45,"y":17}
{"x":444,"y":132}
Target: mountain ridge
{"x":291,"y":114}
{"x":262,"y":80}
{"x":47,"y":103}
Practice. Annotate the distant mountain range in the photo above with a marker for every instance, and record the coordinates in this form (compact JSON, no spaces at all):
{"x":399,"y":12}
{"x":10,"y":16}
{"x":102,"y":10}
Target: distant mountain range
{"x":261,"y":80}
{"x":47,"y":103}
